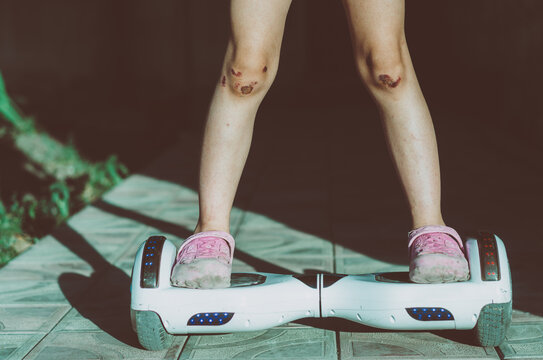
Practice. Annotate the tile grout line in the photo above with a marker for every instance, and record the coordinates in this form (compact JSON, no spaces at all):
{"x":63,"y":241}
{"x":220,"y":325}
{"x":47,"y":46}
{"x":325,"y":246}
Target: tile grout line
{"x":182,"y":347}
{"x":48,"y":333}
{"x":338,"y":347}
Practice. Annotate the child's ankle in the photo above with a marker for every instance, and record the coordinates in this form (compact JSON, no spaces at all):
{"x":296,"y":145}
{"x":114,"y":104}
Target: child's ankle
{"x":201,"y":228}
{"x":419,"y":224}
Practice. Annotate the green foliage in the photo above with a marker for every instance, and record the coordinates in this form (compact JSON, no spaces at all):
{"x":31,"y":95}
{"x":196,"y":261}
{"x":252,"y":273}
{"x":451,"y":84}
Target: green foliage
{"x":103,"y":176}
{"x":10,"y":222}
{"x":69,"y":181}
{"x":10,"y":111}
{"x":10,"y":226}
{"x":60,"y":198}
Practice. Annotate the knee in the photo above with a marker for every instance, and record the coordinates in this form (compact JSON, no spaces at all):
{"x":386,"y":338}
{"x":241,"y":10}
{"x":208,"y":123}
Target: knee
{"x":382,"y":68}
{"x":247,"y":73}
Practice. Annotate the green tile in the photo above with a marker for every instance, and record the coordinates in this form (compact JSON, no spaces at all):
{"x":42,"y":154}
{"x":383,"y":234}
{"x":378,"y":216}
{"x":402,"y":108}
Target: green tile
{"x":524,"y":340}
{"x":409,"y":345}
{"x":14,"y":346}
{"x":276,"y":343}
{"x":43,"y":318}
{"x":362,"y":264}
{"x":96,"y":345}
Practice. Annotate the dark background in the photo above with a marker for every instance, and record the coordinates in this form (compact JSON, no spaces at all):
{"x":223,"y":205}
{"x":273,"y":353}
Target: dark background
{"x":132,"y":77}
{"x":127,"y":77}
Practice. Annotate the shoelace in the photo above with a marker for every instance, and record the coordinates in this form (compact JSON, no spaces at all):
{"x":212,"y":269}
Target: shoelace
{"x":203,"y":248}
{"x":440,"y":245}
{"x":209,"y":247}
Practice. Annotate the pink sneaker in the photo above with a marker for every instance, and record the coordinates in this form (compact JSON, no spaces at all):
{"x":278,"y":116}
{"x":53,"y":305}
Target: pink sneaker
{"x":204,"y":261}
{"x":436,"y":255}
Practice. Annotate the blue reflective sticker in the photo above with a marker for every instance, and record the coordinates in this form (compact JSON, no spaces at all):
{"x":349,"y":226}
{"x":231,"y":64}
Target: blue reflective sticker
{"x":210,"y":318}
{"x":416,"y":313}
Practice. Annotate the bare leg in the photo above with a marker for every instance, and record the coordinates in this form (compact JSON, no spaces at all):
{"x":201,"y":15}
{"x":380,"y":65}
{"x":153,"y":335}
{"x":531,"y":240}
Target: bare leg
{"x":385,"y":67}
{"x":248,"y":70}
{"x":383,"y":60}
{"x":250,"y":65}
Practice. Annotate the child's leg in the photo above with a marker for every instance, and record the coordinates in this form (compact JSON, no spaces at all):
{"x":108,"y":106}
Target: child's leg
{"x":250,"y":65}
{"x":384,"y":64}
{"x":248,"y":70}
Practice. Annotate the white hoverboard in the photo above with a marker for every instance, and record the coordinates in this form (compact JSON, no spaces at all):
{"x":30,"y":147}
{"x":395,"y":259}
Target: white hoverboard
{"x":256,"y":301}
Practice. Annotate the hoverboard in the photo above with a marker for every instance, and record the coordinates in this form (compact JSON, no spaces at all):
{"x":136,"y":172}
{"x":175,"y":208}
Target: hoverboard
{"x":257,"y":301}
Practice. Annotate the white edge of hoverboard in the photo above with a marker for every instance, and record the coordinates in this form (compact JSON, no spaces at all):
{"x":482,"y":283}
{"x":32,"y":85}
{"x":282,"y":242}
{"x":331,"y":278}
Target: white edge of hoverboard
{"x":283,"y":298}
{"x":363,"y":299}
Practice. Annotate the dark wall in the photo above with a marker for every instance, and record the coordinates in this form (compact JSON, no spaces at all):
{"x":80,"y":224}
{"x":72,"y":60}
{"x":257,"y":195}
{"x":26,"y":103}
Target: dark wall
{"x":482,"y":57}
{"x":120,"y":71}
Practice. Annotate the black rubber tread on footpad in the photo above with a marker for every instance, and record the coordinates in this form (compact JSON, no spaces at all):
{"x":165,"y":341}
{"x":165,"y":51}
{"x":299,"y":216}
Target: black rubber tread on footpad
{"x":150,"y":261}
{"x":488,"y":256}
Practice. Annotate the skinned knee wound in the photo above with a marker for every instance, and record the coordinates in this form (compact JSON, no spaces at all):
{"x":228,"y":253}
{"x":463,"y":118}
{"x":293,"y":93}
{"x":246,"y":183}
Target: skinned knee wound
{"x":238,"y":83}
{"x":388,"y":81}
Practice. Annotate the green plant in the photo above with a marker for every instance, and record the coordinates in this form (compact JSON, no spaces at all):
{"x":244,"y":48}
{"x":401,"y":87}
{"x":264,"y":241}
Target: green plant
{"x":60,"y":199}
{"x":67,"y":181}
{"x":102,"y":176}
{"x":10,"y":226}
{"x":10,"y":111}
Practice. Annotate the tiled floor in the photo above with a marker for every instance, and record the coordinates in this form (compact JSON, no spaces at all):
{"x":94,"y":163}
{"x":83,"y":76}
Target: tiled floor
{"x":316,"y":195}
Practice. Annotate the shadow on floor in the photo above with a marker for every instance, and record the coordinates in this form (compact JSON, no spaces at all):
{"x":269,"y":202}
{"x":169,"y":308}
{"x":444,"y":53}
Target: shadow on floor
{"x":105,"y":295}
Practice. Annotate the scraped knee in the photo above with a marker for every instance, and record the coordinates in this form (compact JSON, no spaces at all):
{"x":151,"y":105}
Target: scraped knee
{"x":382,"y":69}
{"x":247,"y":77}
{"x":388,"y":81}
{"x":386,"y":74}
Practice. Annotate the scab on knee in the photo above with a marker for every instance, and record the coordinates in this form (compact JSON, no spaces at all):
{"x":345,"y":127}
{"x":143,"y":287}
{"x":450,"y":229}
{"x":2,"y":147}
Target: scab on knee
{"x":244,"y":83}
{"x":247,"y":89}
{"x":381,"y":68}
{"x":241,"y":88}
{"x":389,"y":82}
